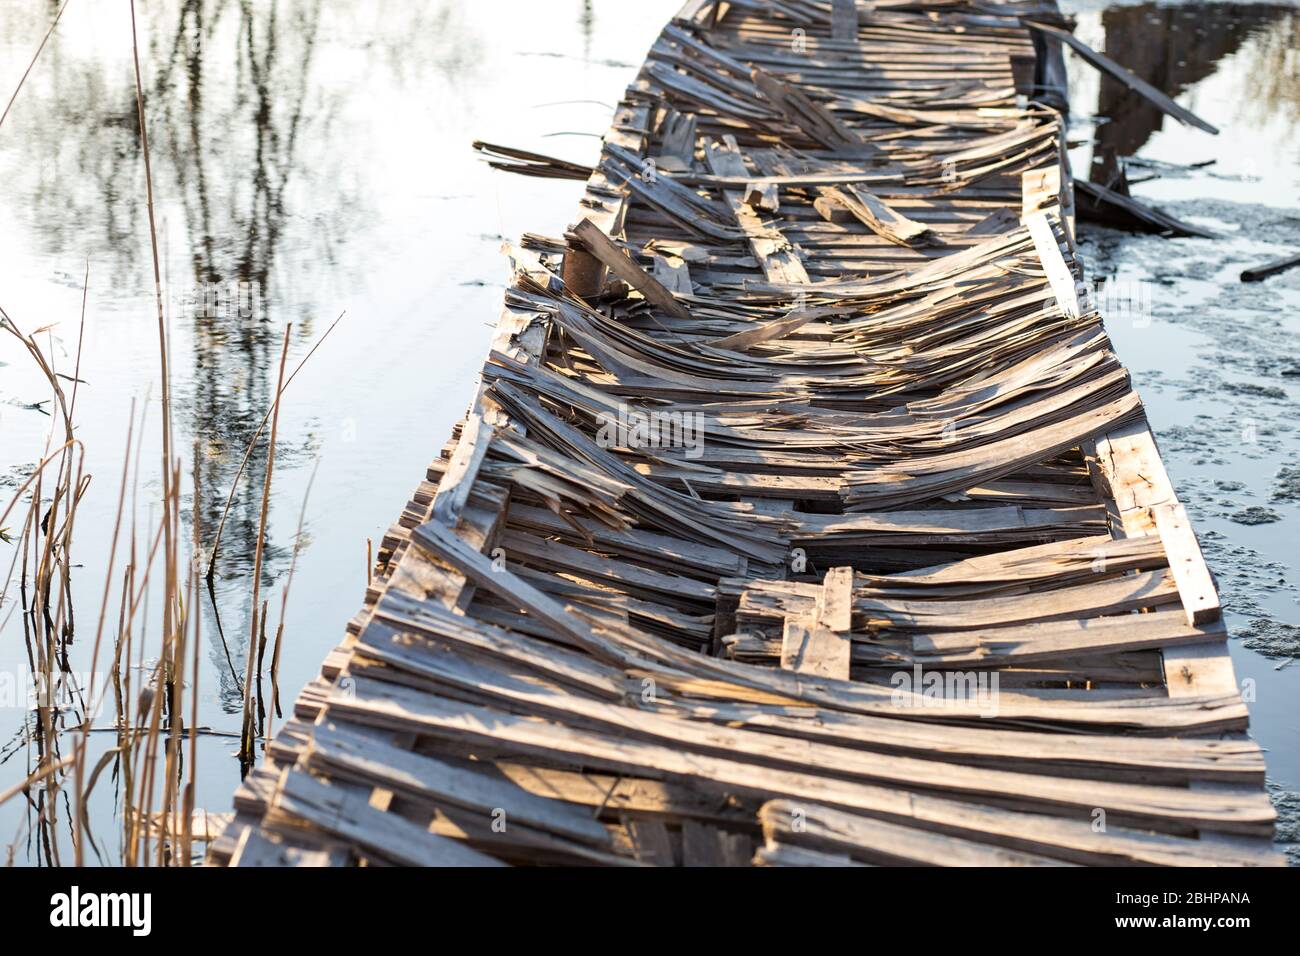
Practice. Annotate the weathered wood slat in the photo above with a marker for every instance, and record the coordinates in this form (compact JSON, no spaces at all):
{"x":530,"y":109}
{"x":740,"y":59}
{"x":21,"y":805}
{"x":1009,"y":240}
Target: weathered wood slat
{"x":1195,"y":586}
{"x":786,"y":823}
{"x":604,"y":249}
{"x":877,"y":215}
{"x":334,"y":747}
{"x":348,"y":815}
{"x":1127,"y":77}
{"x":777,"y":257}
{"x":1068,"y":837}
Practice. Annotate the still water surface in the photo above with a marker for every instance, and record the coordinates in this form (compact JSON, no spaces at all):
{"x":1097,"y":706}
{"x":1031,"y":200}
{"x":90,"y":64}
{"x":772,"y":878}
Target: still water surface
{"x":313,"y":159}
{"x":309,"y":158}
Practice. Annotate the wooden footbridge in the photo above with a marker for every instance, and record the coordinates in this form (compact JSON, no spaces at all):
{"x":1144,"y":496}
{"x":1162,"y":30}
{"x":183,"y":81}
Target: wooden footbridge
{"x":804,"y":515}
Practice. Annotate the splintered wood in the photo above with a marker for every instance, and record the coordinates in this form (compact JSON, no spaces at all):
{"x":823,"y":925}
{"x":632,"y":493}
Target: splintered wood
{"x":804,"y":516}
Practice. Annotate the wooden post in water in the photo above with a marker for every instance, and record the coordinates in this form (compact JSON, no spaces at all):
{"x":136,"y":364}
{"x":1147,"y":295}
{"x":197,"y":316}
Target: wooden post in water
{"x":582,"y":271}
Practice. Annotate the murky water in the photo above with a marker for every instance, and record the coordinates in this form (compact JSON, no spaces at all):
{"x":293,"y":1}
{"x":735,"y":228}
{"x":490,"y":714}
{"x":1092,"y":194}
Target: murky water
{"x":311,"y":159}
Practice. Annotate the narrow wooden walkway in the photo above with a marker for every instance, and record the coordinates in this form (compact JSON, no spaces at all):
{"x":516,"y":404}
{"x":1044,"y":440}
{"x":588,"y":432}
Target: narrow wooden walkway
{"x":903,"y":579}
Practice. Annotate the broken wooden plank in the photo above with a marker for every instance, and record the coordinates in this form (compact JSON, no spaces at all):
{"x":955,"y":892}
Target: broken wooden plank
{"x":876,"y":215}
{"x":345,"y":813}
{"x":1195,"y":585}
{"x":673,"y":274}
{"x":1260,"y":273}
{"x":1125,"y":76}
{"x":844,"y":20}
{"x":832,"y":210}
{"x":835,"y":606}
{"x":820,"y":644}
{"x":813,"y":118}
{"x":676,"y":150}
{"x":528,"y":163}
{"x":454,"y":489}
{"x":1040,"y":189}
{"x":790,"y":823}
{"x":336,"y":747}
{"x":259,"y":849}
{"x":769,"y":331}
{"x":763,"y":197}
{"x":1099,"y":204}
{"x":775,"y":254}
{"x":618,"y":262}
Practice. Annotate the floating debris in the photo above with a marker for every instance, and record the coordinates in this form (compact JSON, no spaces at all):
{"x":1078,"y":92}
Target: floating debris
{"x":1273,"y":639}
{"x":1111,"y":208}
{"x":1125,"y":76}
{"x":1260,"y":273}
{"x":1255,"y":514}
{"x":1287,"y":484}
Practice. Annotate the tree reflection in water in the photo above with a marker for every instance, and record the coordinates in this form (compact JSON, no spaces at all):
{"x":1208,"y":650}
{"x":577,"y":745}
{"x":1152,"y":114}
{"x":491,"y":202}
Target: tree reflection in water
{"x":1174,"y":47}
{"x":259,"y":195}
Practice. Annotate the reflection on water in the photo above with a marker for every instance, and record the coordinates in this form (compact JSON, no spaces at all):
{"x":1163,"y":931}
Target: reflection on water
{"x":250,"y":154}
{"x":586,"y":21}
{"x":1175,"y":47}
{"x":258,"y":121}
{"x":308,"y":158}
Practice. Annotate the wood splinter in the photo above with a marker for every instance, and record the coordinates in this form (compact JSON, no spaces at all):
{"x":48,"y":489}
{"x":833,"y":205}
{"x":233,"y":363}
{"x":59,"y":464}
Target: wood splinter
{"x":874,"y":213}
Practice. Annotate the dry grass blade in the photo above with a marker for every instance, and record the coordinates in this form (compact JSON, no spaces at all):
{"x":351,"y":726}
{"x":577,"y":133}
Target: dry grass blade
{"x":247,"y":743}
{"x":35,"y":778}
{"x":8,"y":106}
{"x":284,"y":602}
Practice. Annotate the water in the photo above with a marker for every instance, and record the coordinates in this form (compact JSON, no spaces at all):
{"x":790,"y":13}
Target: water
{"x":1214,"y":358}
{"x":311,"y":159}
{"x":308,"y":159}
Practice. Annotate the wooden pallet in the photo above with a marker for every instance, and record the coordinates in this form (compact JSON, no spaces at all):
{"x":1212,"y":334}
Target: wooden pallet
{"x":903,"y":580}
